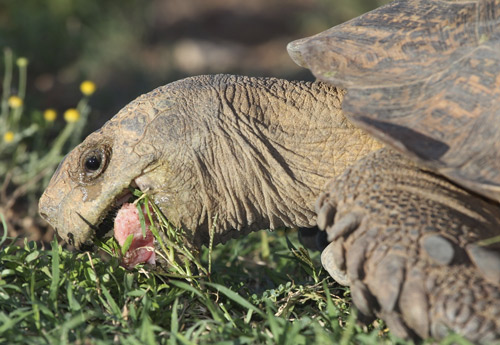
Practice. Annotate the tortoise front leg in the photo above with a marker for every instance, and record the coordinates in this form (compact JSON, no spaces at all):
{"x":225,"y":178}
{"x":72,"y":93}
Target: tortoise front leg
{"x":409,"y":244}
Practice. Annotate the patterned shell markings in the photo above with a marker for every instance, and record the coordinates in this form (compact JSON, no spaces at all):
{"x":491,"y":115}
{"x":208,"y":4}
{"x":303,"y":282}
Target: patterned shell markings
{"x":424,"y":77}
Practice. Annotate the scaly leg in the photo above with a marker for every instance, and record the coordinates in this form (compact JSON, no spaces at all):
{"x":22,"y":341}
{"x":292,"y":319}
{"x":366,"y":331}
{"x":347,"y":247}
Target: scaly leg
{"x":408,"y":243}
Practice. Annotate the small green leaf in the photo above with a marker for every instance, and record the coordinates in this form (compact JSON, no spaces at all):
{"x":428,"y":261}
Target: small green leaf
{"x":174,"y":326}
{"x":5,"y":232}
{"x":127,"y":243}
{"x":10,"y":323}
{"x":54,"y":284}
{"x":32,"y":256}
{"x":147,"y":334}
{"x":6,"y":272}
{"x":236,"y":298}
{"x":113,"y":306}
{"x":136,"y":192}
{"x":72,"y":302}
{"x":142,"y":220}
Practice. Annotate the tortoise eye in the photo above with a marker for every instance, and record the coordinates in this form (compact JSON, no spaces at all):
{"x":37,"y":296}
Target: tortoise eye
{"x":93,"y":163}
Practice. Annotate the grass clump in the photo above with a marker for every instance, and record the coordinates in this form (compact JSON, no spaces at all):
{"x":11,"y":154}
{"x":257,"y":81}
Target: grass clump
{"x":54,"y":296}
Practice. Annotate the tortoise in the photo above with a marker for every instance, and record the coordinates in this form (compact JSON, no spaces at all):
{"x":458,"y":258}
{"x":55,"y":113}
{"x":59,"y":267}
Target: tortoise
{"x":396,"y":148}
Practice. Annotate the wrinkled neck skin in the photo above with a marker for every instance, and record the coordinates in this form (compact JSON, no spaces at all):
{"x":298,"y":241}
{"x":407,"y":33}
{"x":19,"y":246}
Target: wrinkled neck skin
{"x":246,"y":154}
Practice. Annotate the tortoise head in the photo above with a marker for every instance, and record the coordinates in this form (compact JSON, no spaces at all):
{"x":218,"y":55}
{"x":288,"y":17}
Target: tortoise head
{"x":148,"y":146}
{"x":94,"y":178}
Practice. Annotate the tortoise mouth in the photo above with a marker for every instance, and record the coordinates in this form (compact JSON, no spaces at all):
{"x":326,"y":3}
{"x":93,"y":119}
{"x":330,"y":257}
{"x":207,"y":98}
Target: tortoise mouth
{"x":122,"y":222}
{"x":105,"y":227}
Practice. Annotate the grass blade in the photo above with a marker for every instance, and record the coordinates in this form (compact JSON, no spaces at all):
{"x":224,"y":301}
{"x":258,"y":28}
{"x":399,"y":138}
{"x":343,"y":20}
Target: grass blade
{"x":10,"y":323}
{"x":236,"y":298}
{"x":205,"y":299}
{"x":174,"y":325}
{"x":4,"y":226}
{"x":142,"y":220}
{"x":127,"y":243}
{"x":111,"y":303}
{"x":54,"y":284}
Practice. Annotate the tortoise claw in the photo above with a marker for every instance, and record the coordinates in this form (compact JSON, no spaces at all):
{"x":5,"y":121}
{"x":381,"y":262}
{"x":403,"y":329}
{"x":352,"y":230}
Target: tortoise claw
{"x":414,"y":304}
{"x":332,"y":259}
{"x":438,"y":248}
{"x":326,"y":215}
{"x":344,"y":226}
{"x":362,"y":298}
{"x":387,"y":281}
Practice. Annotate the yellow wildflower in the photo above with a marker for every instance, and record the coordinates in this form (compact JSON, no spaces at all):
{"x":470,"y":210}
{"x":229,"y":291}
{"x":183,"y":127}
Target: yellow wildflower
{"x":71,"y":115}
{"x":8,"y":137}
{"x":49,"y":115}
{"x":15,"y":102}
{"x":87,"y":87}
{"x":22,"y":62}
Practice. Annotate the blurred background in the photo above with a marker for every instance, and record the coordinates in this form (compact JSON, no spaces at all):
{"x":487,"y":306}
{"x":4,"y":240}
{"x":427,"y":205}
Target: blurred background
{"x":125,"y":48}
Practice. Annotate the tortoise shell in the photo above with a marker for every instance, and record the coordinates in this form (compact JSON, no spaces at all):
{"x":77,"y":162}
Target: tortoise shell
{"x":424,"y":77}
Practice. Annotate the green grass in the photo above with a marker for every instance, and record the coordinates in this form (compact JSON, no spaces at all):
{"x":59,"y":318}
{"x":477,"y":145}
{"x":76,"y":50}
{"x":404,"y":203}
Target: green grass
{"x":57,"y":296}
{"x":229,"y":294}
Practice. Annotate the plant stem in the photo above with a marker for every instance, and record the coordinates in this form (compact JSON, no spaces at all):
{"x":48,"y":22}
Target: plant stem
{"x":23,"y":74}
{"x":7,"y":80}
